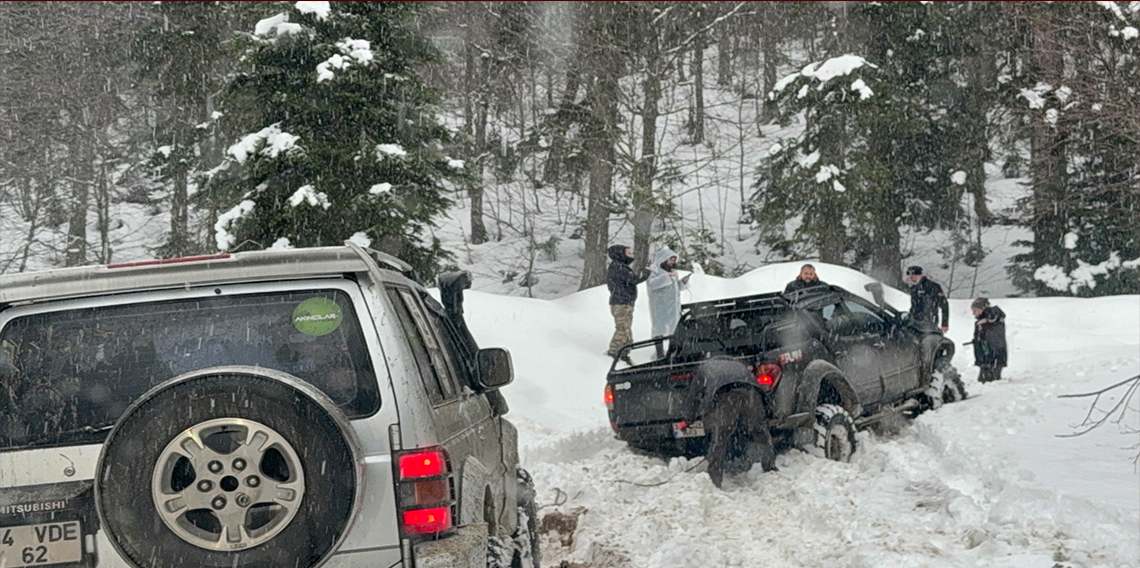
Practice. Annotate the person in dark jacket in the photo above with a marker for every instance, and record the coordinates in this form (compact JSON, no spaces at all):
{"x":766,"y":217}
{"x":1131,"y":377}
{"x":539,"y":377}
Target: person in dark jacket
{"x":739,"y":410}
{"x":927,"y":300}
{"x":990,"y":351}
{"x":806,"y":279}
{"x":622,"y":282}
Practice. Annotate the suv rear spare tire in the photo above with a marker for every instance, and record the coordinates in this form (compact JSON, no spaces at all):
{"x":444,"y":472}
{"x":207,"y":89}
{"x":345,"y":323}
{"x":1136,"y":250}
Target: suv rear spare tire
{"x":233,"y":467}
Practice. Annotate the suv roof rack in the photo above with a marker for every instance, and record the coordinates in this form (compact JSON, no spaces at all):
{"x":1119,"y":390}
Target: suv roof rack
{"x":62,"y":283}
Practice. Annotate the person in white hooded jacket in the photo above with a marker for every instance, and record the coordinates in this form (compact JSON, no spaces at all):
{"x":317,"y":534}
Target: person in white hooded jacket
{"x":664,"y":288}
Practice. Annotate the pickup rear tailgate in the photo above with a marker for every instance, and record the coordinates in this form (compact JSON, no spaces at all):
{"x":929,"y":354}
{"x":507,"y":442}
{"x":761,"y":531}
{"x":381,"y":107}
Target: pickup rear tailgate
{"x":650,"y":396}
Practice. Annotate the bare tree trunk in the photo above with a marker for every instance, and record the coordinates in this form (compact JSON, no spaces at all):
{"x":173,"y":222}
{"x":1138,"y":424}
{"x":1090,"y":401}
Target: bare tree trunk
{"x":103,"y":213}
{"x":645,"y":171}
{"x":479,"y":147}
{"x":724,"y":57}
{"x":76,"y":254}
{"x":600,"y":148}
{"x":697,"y":120}
{"x":768,"y":47}
{"x":1048,"y":158}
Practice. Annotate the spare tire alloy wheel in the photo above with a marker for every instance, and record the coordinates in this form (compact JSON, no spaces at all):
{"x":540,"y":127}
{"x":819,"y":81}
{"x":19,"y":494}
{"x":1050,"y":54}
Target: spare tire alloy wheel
{"x":229,"y":467}
{"x":233,"y":500}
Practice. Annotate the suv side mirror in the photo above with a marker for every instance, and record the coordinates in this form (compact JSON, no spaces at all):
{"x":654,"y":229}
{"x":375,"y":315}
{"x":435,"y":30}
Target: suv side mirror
{"x":495,"y":368}
{"x":876,"y":290}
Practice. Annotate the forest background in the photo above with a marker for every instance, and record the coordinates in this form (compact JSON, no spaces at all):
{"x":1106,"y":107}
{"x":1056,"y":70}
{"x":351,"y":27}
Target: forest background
{"x":998,"y":144}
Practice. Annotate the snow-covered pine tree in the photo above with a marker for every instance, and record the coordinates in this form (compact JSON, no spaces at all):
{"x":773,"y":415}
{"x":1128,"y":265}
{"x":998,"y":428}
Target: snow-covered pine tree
{"x":183,"y":54}
{"x":1081,"y":108}
{"x":346,"y":142}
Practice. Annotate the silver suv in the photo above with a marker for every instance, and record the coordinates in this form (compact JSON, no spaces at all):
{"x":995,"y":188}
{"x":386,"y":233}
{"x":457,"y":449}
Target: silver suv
{"x":267,"y":409}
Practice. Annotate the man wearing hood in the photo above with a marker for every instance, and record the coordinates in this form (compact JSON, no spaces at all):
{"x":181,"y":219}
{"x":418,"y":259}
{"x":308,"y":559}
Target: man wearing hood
{"x":622,"y":282}
{"x":665,"y":294}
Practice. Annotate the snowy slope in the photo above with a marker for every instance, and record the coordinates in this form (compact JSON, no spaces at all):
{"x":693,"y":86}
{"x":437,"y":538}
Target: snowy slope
{"x":987,"y":482}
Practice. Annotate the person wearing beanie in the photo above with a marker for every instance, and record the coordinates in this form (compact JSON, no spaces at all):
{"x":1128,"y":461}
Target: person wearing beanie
{"x":927,"y":299}
{"x":990,"y":352}
{"x":622,"y":282}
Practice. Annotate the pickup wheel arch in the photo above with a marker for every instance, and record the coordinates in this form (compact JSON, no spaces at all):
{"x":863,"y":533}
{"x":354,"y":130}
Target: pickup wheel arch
{"x":823,"y":383}
{"x":936,"y":350}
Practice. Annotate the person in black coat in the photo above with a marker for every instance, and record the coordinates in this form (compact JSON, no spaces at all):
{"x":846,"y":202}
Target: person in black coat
{"x":622,"y":282}
{"x":990,"y":351}
{"x":806,"y":279}
{"x":927,"y":300}
{"x":739,"y":410}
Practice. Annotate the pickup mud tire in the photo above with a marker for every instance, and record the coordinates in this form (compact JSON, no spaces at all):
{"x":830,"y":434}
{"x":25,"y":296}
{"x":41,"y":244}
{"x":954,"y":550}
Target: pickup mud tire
{"x":953,"y":389}
{"x":946,"y":386}
{"x":229,"y":467}
{"x":834,"y":433}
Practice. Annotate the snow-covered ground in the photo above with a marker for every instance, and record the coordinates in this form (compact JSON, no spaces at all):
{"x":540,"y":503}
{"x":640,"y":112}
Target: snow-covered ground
{"x":986,"y":482}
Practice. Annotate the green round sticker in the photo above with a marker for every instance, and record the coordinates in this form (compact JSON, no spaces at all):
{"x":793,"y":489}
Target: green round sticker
{"x":317,"y":316}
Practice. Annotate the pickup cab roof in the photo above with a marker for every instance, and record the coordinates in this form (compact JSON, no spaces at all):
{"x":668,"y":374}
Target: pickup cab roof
{"x":196,"y":271}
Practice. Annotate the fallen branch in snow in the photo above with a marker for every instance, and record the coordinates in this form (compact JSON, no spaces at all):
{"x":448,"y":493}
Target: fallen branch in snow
{"x":1119,"y":410}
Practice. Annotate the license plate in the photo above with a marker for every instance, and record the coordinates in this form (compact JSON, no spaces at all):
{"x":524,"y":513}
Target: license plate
{"x":694,"y":429}
{"x":40,"y":545}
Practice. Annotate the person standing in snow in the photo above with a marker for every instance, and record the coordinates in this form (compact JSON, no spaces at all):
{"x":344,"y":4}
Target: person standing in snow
{"x":664,"y":294}
{"x":989,"y":340}
{"x":927,"y":299}
{"x":622,"y":282}
{"x":806,"y":279}
{"x":724,"y":397}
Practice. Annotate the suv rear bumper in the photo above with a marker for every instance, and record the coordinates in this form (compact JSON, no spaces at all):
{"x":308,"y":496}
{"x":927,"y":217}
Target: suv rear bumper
{"x":467,"y":548}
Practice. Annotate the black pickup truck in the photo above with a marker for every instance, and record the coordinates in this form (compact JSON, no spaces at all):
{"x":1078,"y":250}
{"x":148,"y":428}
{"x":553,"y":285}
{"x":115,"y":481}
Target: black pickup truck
{"x":827,"y":361}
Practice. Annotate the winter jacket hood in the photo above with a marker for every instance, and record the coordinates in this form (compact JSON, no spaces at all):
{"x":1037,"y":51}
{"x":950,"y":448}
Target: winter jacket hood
{"x":661,"y":256}
{"x":617,"y":254}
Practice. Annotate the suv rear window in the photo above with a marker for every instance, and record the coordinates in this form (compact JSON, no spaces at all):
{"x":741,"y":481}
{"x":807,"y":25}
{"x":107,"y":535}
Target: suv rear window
{"x":66,"y":376}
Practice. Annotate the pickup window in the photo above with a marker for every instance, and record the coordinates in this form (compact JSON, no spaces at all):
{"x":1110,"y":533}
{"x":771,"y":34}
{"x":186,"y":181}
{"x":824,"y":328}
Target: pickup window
{"x":66,"y":376}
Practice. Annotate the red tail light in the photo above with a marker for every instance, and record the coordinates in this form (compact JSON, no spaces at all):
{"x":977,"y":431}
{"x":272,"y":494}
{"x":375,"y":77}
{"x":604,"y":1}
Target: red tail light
{"x":609,"y":397}
{"x":768,"y":375}
{"x":427,"y":521}
{"x":425,"y":491}
{"x":423,"y":464}
{"x":681,"y":377}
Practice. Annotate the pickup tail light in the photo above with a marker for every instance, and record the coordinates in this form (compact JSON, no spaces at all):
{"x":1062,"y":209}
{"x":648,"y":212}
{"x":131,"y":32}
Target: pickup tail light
{"x":425,"y":491}
{"x":768,"y":375}
{"x":609,"y":397}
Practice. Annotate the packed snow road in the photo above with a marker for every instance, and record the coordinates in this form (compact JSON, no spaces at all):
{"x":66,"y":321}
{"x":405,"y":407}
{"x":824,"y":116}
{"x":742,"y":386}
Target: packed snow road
{"x":986,"y":482}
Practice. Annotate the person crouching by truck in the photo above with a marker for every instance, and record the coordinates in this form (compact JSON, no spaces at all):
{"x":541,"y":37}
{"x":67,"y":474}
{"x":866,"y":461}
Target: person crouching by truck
{"x":724,"y":397}
{"x":990,"y":352}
